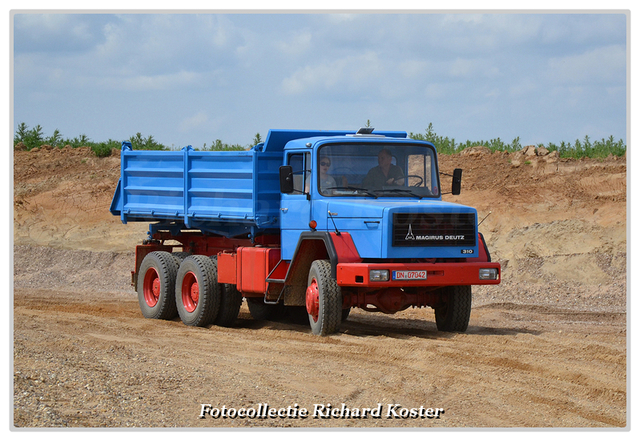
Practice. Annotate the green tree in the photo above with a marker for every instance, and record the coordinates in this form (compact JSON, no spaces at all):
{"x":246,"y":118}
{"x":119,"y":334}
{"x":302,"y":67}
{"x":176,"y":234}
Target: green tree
{"x":33,"y":138}
{"x":55,"y":139}
{"x":21,"y":133}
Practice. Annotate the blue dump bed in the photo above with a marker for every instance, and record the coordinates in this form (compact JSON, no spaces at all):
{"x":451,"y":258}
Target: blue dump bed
{"x":223,"y":192}
{"x":228,"y":193}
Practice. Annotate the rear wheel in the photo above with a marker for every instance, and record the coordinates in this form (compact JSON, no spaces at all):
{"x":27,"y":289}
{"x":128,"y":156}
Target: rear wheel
{"x":156,"y":285}
{"x":230,"y":303}
{"x":453,"y":315}
{"x":179,"y":256}
{"x":323,"y":299}
{"x":197,"y":292}
{"x":264,"y":311}
{"x":297,"y":314}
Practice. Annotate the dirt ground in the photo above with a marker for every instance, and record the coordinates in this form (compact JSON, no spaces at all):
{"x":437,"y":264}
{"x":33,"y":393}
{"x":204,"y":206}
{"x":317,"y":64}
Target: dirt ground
{"x":546,"y":348}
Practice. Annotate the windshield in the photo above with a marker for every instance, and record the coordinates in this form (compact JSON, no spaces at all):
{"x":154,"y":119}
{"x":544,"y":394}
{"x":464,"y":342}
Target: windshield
{"x":377,"y":170}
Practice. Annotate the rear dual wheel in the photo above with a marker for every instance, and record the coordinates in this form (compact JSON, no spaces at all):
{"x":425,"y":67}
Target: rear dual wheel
{"x":200,"y":299}
{"x":156,"y":285}
{"x":172,"y":284}
{"x":230,"y":303}
{"x":197,"y":292}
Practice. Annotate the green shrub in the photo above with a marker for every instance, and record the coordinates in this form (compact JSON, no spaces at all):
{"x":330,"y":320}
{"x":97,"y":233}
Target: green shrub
{"x":104,"y":149}
{"x":580,"y":149}
{"x":32,"y":138}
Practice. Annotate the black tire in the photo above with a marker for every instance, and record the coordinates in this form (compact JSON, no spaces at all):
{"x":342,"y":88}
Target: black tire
{"x":325,"y":318}
{"x":197,"y":292}
{"x":179,"y":256}
{"x":454,"y":315}
{"x":156,"y":285}
{"x":264,"y":311}
{"x":230,"y":302}
{"x":297,"y":315}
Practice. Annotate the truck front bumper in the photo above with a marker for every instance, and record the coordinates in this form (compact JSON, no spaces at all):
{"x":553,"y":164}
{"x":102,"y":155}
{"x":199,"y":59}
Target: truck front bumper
{"x":372,"y":275}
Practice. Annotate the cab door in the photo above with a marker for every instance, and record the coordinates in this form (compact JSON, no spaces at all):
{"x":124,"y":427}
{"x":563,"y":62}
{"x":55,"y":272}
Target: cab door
{"x":295,"y":207}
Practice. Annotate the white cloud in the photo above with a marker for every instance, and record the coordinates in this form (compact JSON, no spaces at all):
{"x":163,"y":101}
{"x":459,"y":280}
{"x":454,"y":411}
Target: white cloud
{"x":472,"y":69}
{"x":597,"y":65}
{"x":493,"y":93}
{"x":345,"y":74}
{"x":149,"y":82}
{"x":523,"y":87}
{"x":295,"y":43}
{"x":193,"y":122}
{"x":413,"y":68}
{"x":341,"y":18}
{"x":462,"y":67}
{"x":437,"y":91}
{"x":462,"y":18}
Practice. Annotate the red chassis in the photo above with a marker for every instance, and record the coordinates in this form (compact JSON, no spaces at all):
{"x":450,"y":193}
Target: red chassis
{"x":256,"y":270}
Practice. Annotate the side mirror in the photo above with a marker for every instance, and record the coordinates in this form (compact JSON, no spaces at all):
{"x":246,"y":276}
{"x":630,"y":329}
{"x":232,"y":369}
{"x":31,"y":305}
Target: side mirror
{"x":456,"y":181}
{"x":286,"y":179}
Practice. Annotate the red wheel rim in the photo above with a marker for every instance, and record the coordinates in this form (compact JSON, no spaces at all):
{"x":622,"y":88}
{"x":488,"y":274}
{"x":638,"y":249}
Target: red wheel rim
{"x":151,"y":287}
{"x":190,"y":292}
{"x":313,"y":300}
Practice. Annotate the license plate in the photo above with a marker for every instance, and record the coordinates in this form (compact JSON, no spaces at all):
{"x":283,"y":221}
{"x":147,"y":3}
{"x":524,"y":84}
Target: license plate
{"x":409,"y":275}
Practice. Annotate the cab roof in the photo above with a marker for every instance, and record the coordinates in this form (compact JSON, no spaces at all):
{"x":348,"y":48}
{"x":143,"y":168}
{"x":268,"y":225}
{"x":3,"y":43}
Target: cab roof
{"x":278,"y":138}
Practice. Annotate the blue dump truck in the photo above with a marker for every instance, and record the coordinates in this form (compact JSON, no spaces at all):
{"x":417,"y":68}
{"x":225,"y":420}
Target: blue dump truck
{"x":310,"y":220}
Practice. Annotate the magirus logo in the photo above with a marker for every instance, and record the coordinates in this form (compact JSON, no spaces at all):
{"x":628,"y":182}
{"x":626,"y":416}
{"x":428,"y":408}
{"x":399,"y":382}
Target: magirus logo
{"x":410,"y":235}
{"x":439,"y":237}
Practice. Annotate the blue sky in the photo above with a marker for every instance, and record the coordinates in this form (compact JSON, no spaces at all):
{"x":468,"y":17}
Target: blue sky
{"x":193,"y":78}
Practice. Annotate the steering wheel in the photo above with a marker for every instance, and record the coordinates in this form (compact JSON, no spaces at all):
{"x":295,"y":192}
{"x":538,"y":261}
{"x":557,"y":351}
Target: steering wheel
{"x":415,"y":176}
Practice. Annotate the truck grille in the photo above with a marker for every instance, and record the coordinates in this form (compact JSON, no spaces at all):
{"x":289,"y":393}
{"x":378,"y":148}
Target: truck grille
{"x":434,"y":229}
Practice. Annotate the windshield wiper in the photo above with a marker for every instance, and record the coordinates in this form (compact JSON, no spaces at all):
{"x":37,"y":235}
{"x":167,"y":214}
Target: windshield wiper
{"x":363,"y":190}
{"x":400,"y":190}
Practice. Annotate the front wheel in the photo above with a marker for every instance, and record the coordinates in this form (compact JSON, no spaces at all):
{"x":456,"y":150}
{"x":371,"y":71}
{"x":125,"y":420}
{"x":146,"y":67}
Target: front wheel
{"x":197,"y":291}
{"x":323,"y":299}
{"x":453,"y":315}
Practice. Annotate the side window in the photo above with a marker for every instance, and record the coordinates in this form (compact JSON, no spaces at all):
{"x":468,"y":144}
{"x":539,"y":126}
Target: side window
{"x":421,"y":172}
{"x":418,"y":174}
{"x":301,"y":173}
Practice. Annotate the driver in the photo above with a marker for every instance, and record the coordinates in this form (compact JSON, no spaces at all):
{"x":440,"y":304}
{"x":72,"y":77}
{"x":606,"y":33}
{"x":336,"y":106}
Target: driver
{"x":326,"y":181}
{"x":385,"y":173}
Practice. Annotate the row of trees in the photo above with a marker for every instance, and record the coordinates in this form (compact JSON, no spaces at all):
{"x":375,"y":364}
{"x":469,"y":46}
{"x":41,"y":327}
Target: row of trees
{"x":30,"y":138}
{"x":579,"y":149}
{"x":34,"y":137}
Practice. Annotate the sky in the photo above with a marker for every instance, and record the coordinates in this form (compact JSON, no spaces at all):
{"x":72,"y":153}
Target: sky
{"x":189,"y":79}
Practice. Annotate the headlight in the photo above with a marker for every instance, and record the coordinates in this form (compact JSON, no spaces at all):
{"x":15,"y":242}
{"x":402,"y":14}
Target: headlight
{"x":378,"y":275}
{"x":488,"y":274}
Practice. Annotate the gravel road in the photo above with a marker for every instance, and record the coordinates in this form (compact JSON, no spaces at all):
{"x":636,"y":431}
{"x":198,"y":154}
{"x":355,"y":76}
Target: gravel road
{"x":85,"y":357}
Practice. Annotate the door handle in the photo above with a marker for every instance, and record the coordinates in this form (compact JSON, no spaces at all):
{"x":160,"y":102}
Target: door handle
{"x":284,"y":209}
{"x":372,"y":224}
